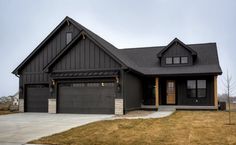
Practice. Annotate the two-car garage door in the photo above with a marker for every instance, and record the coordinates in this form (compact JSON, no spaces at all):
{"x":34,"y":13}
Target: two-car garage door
{"x":86,"y":97}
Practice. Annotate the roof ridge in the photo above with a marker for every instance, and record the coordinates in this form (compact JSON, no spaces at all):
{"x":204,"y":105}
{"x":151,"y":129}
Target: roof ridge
{"x":149,"y":47}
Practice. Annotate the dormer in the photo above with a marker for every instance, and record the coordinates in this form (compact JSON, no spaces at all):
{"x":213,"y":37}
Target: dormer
{"x":176,"y":53}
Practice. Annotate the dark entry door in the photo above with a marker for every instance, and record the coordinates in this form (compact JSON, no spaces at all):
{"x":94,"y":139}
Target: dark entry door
{"x":37,"y":98}
{"x":170,"y":92}
{"x":86,"y":98}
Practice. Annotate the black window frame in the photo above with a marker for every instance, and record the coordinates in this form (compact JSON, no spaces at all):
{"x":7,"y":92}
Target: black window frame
{"x":167,"y":61}
{"x":67,"y":40}
{"x":197,"y":89}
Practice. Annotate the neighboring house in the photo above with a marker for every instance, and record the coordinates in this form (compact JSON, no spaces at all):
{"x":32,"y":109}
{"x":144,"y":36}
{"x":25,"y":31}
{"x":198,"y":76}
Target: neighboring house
{"x":75,"y":71}
{"x":15,"y":99}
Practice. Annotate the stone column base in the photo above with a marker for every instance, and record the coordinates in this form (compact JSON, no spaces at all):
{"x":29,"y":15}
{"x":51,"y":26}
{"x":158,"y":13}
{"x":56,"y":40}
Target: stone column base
{"x":52,"y":106}
{"x":119,"y":107}
{"x":21,"y":105}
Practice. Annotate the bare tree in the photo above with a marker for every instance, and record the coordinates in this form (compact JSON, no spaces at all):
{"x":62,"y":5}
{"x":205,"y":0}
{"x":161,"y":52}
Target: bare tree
{"x":229,"y":85}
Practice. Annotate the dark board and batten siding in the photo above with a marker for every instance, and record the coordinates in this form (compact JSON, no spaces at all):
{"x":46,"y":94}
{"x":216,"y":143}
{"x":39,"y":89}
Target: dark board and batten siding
{"x":33,"y":71}
{"x":133,"y":91}
{"x":85,"y":55}
{"x":181,"y":91}
{"x":176,"y":50}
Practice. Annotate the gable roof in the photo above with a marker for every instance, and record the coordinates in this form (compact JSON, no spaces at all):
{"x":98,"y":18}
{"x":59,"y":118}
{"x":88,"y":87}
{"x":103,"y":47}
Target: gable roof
{"x":108,"y":48}
{"x":143,"y":60}
{"x":111,"y":48}
{"x":176,"y":40}
{"x":207,"y":61}
{"x":16,"y":70}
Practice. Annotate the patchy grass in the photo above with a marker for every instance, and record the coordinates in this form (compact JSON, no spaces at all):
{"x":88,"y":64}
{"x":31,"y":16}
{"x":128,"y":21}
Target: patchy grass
{"x":182,"y":128}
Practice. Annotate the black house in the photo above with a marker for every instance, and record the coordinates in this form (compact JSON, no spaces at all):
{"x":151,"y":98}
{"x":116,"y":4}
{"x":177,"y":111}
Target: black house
{"x":75,"y":71}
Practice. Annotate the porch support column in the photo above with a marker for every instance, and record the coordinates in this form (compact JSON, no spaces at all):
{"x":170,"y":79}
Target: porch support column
{"x":215,"y":93}
{"x":157,"y":91}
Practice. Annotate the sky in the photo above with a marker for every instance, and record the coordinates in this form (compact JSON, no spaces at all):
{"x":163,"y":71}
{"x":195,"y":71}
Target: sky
{"x":124,"y":23}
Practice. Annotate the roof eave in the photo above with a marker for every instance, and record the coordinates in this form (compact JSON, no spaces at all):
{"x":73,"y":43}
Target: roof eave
{"x":16,"y":70}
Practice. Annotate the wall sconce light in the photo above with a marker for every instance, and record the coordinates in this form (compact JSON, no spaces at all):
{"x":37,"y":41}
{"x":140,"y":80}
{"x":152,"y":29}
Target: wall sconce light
{"x":117,"y":79}
{"x":102,"y":84}
{"x":53,"y":82}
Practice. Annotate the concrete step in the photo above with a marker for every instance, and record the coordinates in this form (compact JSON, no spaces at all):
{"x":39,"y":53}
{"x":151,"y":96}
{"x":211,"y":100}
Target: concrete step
{"x":166,"y":108}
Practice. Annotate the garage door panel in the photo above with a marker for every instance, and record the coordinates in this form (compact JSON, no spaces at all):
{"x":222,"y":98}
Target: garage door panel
{"x":37,"y":98}
{"x":90,"y":98}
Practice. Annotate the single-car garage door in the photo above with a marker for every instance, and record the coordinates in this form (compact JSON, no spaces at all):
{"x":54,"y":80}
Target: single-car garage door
{"x":86,"y":98}
{"x":37,"y":98}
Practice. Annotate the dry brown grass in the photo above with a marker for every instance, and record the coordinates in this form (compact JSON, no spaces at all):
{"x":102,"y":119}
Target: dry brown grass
{"x":5,"y":112}
{"x":232,"y":106}
{"x":182,"y":128}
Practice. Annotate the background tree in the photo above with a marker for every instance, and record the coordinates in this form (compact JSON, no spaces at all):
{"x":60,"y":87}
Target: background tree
{"x":229,"y":89}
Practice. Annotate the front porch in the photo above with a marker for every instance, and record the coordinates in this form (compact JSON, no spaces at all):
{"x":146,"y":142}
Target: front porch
{"x":180,"y":92}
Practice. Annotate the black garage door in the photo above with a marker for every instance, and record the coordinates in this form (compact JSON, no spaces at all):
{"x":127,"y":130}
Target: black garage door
{"x":37,"y":98}
{"x":91,"y":98}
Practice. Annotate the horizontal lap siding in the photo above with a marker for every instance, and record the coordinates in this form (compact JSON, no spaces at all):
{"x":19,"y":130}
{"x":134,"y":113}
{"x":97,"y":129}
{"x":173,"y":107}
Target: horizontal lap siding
{"x":33,"y":71}
{"x":85,"y":55}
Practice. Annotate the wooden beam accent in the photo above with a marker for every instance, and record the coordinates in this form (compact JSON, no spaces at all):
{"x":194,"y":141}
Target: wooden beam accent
{"x":215,"y":93}
{"x":157,"y":91}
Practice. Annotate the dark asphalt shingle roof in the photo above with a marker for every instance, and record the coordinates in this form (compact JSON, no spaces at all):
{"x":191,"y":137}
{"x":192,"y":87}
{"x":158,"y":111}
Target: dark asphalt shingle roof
{"x":148,"y":63}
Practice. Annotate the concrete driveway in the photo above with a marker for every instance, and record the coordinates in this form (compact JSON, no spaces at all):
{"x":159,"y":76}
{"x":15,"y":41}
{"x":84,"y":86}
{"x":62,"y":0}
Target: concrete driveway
{"x":20,"y":128}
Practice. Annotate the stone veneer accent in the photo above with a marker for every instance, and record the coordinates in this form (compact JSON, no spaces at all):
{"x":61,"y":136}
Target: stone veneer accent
{"x":21,"y":105}
{"x":52,"y":106}
{"x":119,"y":110}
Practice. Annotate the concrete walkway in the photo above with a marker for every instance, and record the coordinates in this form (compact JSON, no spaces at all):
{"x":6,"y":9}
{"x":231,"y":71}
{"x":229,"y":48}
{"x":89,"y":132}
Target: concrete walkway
{"x":156,"y":114}
{"x":16,"y":129}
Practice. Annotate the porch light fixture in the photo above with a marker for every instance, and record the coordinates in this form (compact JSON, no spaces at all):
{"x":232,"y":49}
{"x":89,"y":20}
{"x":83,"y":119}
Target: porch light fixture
{"x":102,"y":84}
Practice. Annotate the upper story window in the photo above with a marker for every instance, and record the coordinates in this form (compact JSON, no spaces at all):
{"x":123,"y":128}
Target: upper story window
{"x":176,"y":60}
{"x":169,"y":60}
{"x":68,"y":37}
{"x":184,"y":59}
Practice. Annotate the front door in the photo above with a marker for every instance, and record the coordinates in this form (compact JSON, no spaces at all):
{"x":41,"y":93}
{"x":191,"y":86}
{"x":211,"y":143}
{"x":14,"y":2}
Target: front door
{"x":170,"y":92}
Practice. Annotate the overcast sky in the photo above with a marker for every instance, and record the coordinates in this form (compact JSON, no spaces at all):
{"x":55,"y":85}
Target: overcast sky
{"x":127,"y":23}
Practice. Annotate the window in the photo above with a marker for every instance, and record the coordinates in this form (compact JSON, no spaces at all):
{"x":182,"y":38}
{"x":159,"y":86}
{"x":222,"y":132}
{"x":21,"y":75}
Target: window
{"x":184,"y":59}
{"x":169,"y":60}
{"x":78,"y":85}
{"x":68,"y":37}
{"x":176,"y":60}
{"x":93,"y":84}
{"x":201,"y":88}
{"x":196,"y":88}
{"x":191,"y":88}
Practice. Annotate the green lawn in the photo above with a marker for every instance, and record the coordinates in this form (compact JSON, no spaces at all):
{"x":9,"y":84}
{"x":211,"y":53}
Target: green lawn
{"x":181,"y":128}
